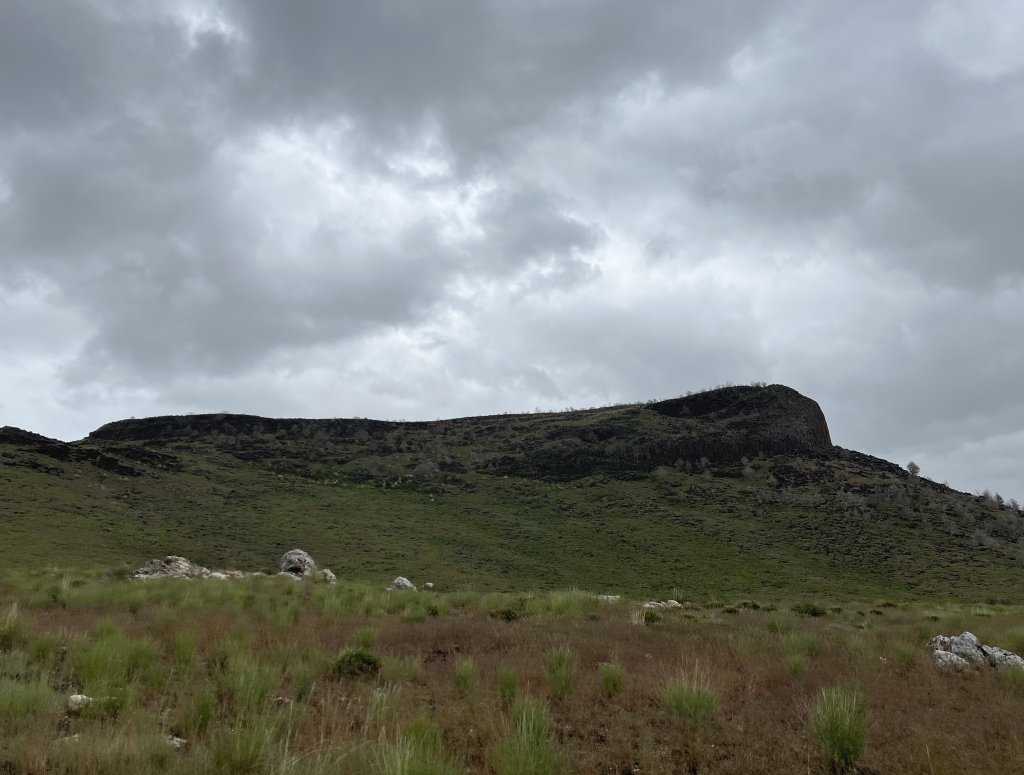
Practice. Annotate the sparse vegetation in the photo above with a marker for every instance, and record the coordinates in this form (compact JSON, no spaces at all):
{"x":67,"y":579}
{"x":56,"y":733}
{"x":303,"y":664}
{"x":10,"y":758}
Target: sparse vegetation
{"x":249,"y":674}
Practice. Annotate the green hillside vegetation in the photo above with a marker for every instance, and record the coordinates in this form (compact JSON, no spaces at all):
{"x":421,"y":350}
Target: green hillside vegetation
{"x":736,"y":491}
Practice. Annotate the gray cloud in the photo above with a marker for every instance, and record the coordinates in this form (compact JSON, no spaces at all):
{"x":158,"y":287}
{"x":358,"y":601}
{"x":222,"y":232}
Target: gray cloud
{"x":411,"y":210}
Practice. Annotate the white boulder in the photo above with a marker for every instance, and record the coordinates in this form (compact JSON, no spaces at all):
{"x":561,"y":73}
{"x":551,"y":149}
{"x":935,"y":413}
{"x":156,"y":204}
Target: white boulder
{"x":328,"y":576}
{"x":958,"y":652}
{"x":170,"y":567}
{"x":298,"y":563}
{"x":402,"y":583}
{"x":77,"y":702}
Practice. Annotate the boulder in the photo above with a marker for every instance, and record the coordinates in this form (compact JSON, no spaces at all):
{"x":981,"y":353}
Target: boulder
{"x":609,"y":598}
{"x":328,"y":576}
{"x":959,"y":652}
{"x":429,"y":585}
{"x":1003,"y":659}
{"x":170,"y":567}
{"x":177,"y":743}
{"x":77,"y":702}
{"x":218,"y":576}
{"x":402,"y":583}
{"x":948,"y":662}
{"x":297,"y":563}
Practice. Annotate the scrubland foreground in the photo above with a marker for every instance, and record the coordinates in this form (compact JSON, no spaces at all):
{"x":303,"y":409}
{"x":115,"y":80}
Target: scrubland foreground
{"x":266,"y":675}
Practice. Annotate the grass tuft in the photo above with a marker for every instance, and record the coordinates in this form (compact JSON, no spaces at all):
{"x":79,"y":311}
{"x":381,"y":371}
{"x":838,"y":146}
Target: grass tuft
{"x":527,"y":746}
{"x":689,"y":700}
{"x":613,"y":679}
{"x":840,"y":723}
{"x":560,"y":668}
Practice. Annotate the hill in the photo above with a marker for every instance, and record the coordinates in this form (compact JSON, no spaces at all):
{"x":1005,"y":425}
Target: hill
{"x":737,"y":490}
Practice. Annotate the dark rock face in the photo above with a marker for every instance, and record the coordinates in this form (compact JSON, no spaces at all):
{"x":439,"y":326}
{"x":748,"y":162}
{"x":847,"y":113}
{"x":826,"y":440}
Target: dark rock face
{"x":716,"y":426}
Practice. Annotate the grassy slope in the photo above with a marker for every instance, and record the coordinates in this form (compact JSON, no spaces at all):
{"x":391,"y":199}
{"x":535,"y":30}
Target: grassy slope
{"x":665,"y":533}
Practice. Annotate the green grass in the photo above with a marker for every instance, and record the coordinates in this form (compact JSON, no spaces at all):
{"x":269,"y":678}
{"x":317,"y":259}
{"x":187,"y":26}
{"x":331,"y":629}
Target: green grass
{"x":840,"y":725}
{"x":560,"y":669}
{"x":356,"y":663}
{"x":508,"y":685}
{"x":464,"y":676}
{"x":689,"y":700}
{"x":613,"y":679}
{"x":401,"y":669}
{"x":549,"y":502}
{"x":528,"y":747}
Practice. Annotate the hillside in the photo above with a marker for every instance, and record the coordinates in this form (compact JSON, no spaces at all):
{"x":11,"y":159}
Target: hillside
{"x":733,"y":491}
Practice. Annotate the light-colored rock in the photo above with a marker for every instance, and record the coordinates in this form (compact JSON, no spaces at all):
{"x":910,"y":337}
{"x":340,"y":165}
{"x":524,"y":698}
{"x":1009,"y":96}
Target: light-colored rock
{"x":609,"y":598}
{"x":966,"y":646}
{"x":673,"y":604}
{"x":218,"y":576}
{"x":170,"y":567}
{"x":429,"y":585}
{"x":298,"y":563}
{"x":1003,"y":659}
{"x":948,"y":662}
{"x":402,"y":583}
{"x":959,"y":652}
{"x":77,"y":702}
{"x":328,"y":576}
{"x":291,"y":576}
{"x":656,"y":605}
{"x":177,"y":743}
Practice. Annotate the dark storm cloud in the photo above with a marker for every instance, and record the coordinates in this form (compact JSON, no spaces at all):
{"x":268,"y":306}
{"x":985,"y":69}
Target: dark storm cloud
{"x":410,"y":209}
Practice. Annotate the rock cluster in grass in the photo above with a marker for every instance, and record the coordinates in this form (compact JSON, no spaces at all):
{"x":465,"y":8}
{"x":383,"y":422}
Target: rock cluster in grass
{"x":955,"y":653}
{"x":296,"y":564}
{"x":656,"y":605}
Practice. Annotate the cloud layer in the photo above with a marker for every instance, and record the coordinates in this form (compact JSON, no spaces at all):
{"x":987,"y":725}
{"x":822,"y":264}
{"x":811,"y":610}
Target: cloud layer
{"x":412,"y":210}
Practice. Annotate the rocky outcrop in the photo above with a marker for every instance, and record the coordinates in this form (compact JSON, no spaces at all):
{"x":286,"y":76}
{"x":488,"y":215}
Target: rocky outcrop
{"x":656,"y":605}
{"x":298,"y":563}
{"x":402,"y":583}
{"x":171,"y":567}
{"x":965,"y":651}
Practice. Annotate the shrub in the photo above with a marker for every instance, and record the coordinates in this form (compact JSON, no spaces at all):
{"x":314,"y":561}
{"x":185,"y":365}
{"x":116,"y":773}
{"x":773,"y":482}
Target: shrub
{"x":19,"y":700}
{"x":465,"y":676}
{"x":689,"y":700}
{"x":840,"y":723}
{"x":809,"y":609}
{"x":527,"y":746}
{"x":560,"y":667}
{"x":355,"y":663}
{"x":652,"y":617}
{"x":508,"y":684}
{"x":613,"y":679}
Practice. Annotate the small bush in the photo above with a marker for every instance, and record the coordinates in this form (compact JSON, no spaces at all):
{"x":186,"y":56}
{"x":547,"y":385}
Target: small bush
{"x":809,"y":609}
{"x":689,"y":700}
{"x":465,"y":676}
{"x":355,"y":663}
{"x":527,"y":747}
{"x":652,"y":617}
{"x":613,"y":680}
{"x":508,"y":685}
{"x":840,"y":723}
{"x":560,"y":667}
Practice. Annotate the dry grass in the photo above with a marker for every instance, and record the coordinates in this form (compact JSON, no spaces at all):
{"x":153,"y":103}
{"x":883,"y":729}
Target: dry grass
{"x":246,"y":674}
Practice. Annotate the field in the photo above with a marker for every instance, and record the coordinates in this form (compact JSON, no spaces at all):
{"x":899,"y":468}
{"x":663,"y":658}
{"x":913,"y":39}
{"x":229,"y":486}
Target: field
{"x":267,"y":675}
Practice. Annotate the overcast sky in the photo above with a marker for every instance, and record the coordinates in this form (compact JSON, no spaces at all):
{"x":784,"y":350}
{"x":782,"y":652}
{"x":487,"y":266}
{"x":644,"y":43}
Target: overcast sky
{"x":411,"y":210}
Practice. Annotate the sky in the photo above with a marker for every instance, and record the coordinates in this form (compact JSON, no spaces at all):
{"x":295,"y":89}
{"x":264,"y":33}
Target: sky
{"x":411,"y":210}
